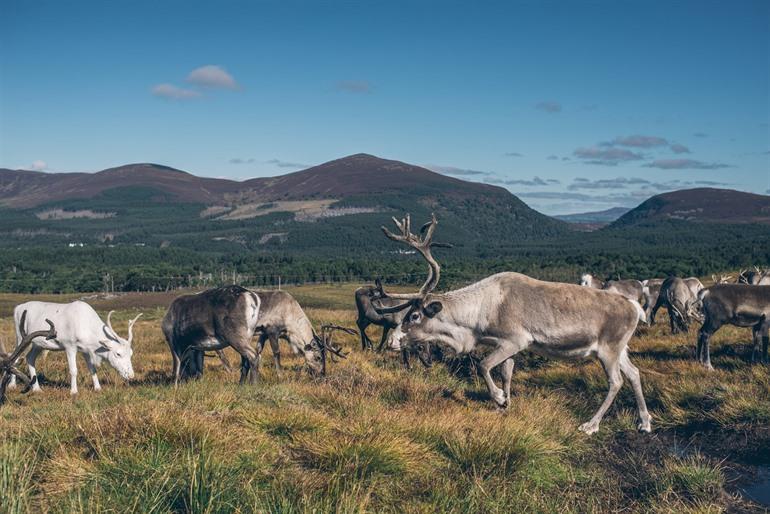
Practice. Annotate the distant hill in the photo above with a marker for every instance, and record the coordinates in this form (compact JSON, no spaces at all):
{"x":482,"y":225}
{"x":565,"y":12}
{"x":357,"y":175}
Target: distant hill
{"x":337,"y":207}
{"x":605,"y":216}
{"x":701,"y":205}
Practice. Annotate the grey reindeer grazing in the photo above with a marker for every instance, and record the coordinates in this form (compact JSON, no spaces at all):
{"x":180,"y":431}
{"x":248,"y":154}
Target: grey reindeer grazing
{"x":677,"y":296}
{"x":282,"y":317}
{"x":508,"y":312}
{"x":741,"y":305}
{"x":693,"y":285}
{"x":368,"y":300}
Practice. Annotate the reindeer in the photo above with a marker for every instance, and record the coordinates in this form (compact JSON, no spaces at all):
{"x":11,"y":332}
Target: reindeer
{"x":8,"y":367}
{"x":79,"y":330}
{"x":757,"y":277}
{"x":588,"y":280}
{"x":222,"y":317}
{"x":651,"y":288}
{"x":506,"y":313}
{"x":282,"y":317}
{"x":741,"y":305}
{"x":678,"y":298}
{"x":368,"y":300}
{"x":629,"y":288}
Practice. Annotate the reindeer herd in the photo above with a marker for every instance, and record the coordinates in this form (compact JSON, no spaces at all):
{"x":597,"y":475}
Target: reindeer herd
{"x":494,"y":319}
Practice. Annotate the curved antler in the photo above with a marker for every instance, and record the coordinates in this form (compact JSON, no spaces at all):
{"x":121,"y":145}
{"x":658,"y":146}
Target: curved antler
{"x":131,"y":328}
{"x":327,"y":332}
{"x":423,"y":245}
{"x":8,"y":362}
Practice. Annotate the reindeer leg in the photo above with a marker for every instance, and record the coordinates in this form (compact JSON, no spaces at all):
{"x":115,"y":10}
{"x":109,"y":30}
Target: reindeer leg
{"x":507,"y":371}
{"x":225,"y":361}
{"x":245,"y":370}
{"x":362,"y":323}
{"x":384,"y":338}
{"x":657,"y":306}
{"x":504,"y":351}
{"x":631,"y":372}
{"x":92,"y":370}
{"x":275,"y":347}
{"x":672,"y":319}
{"x":703,"y":346}
{"x":72,"y":365}
{"x":756,"y":337}
{"x":611,"y":364}
{"x":34,"y":351}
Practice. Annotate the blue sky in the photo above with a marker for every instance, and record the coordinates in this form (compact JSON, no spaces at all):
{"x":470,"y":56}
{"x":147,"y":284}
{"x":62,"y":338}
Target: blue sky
{"x":573,"y":106}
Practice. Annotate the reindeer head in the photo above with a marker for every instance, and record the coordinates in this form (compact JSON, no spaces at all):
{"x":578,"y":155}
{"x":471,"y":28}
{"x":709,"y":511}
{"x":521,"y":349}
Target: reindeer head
{"x":116,"y":350}
{"x":421,"y":309}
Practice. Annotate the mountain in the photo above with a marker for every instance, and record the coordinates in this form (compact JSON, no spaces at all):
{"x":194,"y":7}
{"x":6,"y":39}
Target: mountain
{"x":355,"y":175}
{"x":336,"y":206}
{"x":22,"y":188}
{"x":701,"y":205}
{"x":605,"y":216}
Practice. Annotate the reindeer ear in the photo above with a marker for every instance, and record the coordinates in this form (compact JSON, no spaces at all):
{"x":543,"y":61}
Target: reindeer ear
{"x":308,"y":347}
{"x":432,"y":309}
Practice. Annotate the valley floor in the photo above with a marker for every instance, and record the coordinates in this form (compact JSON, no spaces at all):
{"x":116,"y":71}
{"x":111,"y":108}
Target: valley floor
{"x":374,"y":437}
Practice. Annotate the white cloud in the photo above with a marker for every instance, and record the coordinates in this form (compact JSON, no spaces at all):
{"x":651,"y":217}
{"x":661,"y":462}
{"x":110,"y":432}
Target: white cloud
{"x":172,"y":92}
{"x":38,"y":165}
{"x":212,"y":76}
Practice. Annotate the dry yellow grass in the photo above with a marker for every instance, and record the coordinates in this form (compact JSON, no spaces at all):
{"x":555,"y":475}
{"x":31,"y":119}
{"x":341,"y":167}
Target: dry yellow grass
{"x":374,"y":437}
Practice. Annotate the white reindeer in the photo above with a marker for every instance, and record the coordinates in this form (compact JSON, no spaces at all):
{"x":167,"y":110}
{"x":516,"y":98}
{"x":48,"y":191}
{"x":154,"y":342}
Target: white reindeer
{"x":78,"y":329}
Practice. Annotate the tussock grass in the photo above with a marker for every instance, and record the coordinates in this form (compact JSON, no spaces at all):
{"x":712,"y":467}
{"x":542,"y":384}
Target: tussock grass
{"x":372,"y":437}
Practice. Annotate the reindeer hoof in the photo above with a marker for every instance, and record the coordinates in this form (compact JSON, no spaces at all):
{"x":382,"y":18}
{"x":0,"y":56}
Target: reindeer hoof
{"x":644,"y":427}
{"x":589,"y":428}
{"x":500,"y":400}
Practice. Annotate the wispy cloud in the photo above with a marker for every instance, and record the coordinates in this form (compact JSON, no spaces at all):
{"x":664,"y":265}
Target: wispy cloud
{"x":700,"y":134}
{"x":287,"y":164}
{"x":685,"y":164}
{"x":451,"y":170}
{"x":172,"y":92}
{"x":677,"y":148}
{"x":606,"y":156}
{"x":610,"y":183}
{"x":553,"y":158}
{"x":550,"y":107}
{"x":38,"y":165}
{"x":238,"y":160}
{"x":359,"y":87}
{"x":536,"y":181}
{"x":639,"y":141}
{"x":513,"y":154}
{"x":212,"y":76}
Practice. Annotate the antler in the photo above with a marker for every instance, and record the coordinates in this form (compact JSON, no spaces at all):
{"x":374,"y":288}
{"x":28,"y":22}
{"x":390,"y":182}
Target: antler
{"x":8,"y":362}
{"x":327,"y":333}
{"x":422,"y":245}
{"x":131,"y":328}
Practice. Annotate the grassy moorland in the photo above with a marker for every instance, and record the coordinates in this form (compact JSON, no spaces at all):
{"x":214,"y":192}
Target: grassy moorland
{"x":374,"y":437}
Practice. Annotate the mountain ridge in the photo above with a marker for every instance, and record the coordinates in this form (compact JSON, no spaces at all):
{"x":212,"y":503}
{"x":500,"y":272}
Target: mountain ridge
{"x":700,"y":205}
